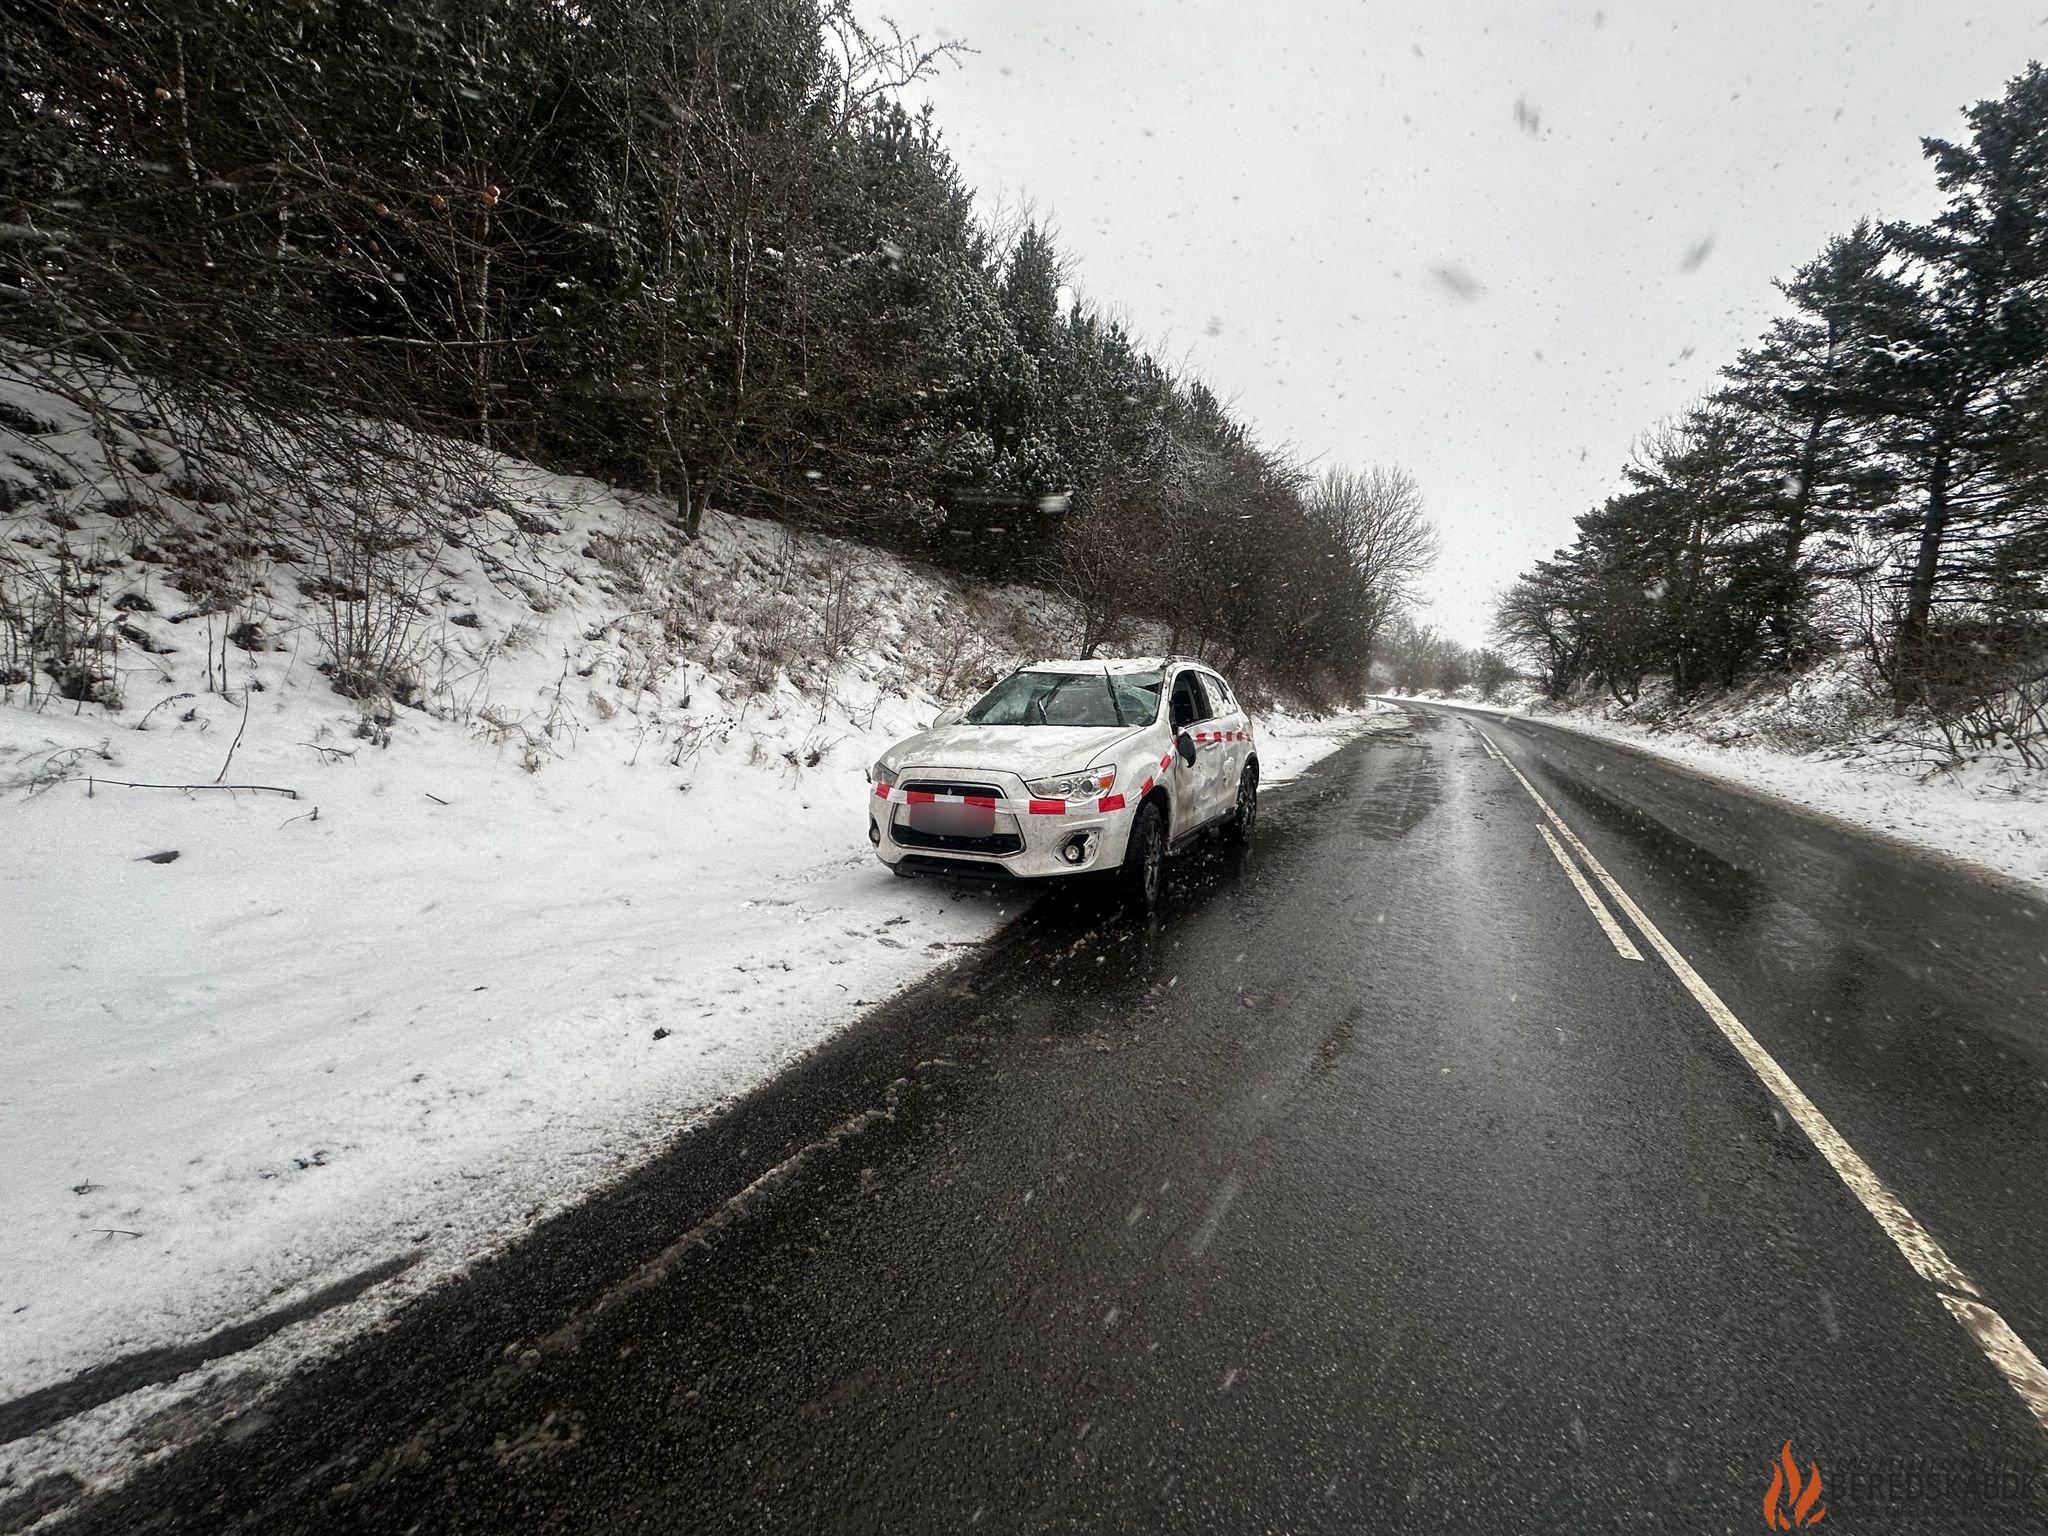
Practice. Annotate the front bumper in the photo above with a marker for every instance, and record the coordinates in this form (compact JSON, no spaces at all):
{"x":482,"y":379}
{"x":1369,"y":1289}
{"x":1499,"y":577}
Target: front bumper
{"x":1037,"y":833}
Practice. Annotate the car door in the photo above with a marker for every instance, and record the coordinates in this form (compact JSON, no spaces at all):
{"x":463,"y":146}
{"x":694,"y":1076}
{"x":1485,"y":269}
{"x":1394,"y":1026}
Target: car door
{"x":1212,"y":747}
{"x":1237,"y":737}
{"x":1194,"y":783}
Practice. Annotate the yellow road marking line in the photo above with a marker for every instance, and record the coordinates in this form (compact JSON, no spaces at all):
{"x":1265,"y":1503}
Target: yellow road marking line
{"x":1591,"y":897}
{"x":2007,"y":1352}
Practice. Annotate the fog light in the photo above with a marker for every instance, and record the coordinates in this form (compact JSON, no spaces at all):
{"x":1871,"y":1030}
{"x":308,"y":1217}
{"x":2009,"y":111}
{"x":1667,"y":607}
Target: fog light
{"x":874,"y":832}
{"x":1077,"y":848}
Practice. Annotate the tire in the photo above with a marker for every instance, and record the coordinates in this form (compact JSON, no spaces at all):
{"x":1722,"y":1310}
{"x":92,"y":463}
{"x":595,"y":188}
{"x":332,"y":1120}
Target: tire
{"x":1141,"y":882}
{"x":1237,"y":831}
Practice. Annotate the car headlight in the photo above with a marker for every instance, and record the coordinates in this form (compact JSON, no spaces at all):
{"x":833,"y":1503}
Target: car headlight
{"x":883,"y":775}
{"x":1074,"y":786}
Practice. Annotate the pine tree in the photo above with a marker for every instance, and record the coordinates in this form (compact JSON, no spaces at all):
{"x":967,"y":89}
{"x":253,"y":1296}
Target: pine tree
{"x":1809,"y":473}
{"x":1956,"y":334}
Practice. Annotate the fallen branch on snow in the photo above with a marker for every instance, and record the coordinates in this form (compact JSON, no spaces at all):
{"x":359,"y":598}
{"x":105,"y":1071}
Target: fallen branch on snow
{"x":268,"y":789}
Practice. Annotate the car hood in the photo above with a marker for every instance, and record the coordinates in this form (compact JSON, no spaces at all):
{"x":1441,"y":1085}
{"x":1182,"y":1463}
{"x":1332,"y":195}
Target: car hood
{"x":1030,"y":751}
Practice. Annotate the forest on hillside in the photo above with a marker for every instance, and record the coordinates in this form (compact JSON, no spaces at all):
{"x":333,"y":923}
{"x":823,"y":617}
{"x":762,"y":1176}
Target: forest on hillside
{"x":696,"y":247}
{"x":1868,"y":480}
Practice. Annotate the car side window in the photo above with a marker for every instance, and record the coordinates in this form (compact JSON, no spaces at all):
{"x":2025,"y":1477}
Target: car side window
{"x":1221,"y":700}
{"x":1189,"y":704}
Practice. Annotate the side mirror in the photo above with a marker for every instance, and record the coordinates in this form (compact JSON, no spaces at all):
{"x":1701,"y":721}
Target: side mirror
{"x":948,"y":717}
{"x":1185,"y":745}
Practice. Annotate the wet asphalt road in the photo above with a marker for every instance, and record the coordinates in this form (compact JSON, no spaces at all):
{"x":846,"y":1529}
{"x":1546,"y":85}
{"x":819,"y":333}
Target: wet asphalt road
{"x":1370,"y":1189}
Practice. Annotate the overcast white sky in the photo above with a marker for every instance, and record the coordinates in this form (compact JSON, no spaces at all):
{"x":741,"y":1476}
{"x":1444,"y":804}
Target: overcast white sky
{"x":1266,"y":190}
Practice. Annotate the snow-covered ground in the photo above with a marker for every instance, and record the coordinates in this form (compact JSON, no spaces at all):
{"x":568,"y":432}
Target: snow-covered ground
{"x":1289,"y":743}
{"x":1825,"y":742}
{"x":607,"y":872}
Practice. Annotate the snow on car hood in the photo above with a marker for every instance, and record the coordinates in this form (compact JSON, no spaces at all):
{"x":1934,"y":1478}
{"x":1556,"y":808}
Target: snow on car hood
{"x":1031,"y":751}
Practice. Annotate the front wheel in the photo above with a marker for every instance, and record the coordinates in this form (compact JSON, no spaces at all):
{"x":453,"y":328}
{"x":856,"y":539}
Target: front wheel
{"x":1142,"y":879}
{"x":1245,"y":819}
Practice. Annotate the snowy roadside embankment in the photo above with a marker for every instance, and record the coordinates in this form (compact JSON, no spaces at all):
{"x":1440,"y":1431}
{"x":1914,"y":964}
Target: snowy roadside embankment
{"x":603,"y":872}
{"x":1799,"y":744}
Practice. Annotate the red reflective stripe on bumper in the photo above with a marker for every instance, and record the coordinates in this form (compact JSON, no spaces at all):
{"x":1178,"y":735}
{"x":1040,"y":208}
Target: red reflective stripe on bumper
{"x":918,"y":797}
{"x":881,"y":791}
{"x":1109,"y":803}
{"x":1048,"y":807}
{"x":986,"y":802}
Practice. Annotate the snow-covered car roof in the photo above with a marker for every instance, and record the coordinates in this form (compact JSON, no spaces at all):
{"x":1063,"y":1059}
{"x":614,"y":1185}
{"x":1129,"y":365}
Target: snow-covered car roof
{"x":1098,"y":664}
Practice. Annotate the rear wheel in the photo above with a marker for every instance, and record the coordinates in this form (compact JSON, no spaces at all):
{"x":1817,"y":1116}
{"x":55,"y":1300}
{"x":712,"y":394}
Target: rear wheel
{"x":1245,"y":819}
{"x":1142,"y":880}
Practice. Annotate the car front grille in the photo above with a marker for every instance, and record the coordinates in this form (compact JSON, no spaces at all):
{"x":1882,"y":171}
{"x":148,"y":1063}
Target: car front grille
{"x":970,"y":869}
{"x":998,"y":842}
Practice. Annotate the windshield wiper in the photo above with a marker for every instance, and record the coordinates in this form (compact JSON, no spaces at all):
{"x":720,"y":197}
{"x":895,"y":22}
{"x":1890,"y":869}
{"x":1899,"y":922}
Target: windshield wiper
{"x":1115,"y":704}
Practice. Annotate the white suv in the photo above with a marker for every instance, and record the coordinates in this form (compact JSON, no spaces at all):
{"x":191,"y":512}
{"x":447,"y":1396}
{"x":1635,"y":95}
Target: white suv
{"x":1071,"y":767}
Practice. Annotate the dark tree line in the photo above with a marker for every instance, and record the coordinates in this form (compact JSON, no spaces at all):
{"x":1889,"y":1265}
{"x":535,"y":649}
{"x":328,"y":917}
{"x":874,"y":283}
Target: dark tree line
{"x":1870,"y":473}
{"x":691,"y":245}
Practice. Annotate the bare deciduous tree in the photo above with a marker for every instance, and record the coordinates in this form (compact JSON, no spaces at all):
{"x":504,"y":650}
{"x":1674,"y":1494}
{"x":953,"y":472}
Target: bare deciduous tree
{"x":1379,"y":516}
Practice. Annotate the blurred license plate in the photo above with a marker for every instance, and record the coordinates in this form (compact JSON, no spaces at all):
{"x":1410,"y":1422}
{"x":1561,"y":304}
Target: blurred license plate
{"x":953,"y":820}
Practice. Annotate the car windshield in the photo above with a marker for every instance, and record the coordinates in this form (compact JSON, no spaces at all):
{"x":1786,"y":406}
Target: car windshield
{"x":1070,"y":698}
